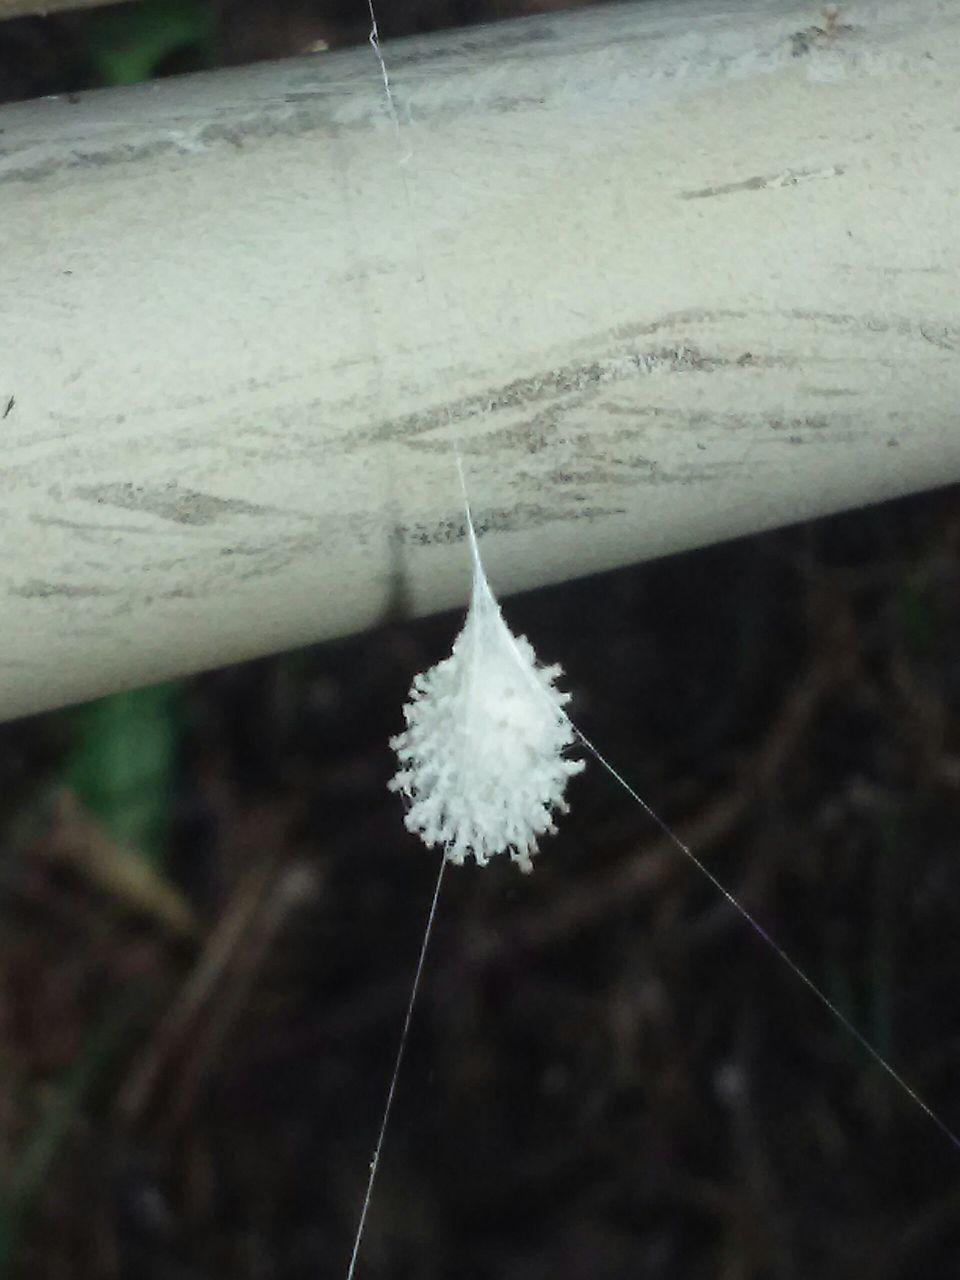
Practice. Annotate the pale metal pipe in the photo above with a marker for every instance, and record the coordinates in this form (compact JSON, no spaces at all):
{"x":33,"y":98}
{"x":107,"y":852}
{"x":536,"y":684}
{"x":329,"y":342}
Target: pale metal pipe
{"x":668,"y":272}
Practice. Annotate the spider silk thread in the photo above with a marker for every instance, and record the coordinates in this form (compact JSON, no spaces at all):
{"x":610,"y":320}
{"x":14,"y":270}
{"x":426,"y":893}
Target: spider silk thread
{"x":754,"y":924}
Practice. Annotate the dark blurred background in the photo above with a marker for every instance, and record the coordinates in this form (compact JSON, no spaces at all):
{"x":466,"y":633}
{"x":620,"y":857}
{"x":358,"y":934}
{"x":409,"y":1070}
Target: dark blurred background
{"x":210,"y":911}
{"x":84,"y":48}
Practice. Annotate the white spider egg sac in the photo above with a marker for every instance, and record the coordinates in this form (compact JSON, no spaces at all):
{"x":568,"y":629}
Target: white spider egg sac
{"x":482,"y":757}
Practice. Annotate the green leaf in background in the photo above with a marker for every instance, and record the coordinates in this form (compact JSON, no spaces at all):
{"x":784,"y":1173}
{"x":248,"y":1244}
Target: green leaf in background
{"x":131,"y":42}
{"x":123,"y":764}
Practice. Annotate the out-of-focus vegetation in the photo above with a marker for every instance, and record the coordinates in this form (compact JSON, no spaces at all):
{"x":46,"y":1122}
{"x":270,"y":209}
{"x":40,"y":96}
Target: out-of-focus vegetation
{"x":124,"y":43}
{"x":608,"y":1076}
{"x":131,"y":42}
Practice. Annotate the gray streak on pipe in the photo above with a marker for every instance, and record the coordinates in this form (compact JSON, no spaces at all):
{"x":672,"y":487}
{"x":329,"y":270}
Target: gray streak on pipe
{"x":672,"y":272}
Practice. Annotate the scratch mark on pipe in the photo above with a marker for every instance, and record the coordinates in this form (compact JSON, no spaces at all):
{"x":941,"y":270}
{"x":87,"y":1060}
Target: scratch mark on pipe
{"x":765,"y":182}
{"x":945,"y":336}
{"x":885,"y":270}
{"x":169,"y":502}
{"x":502,"y":520}
{"x":811,"y":38}
{"x":36,"y":589}
{"x":84,"y":526}
{"x":524,"y":392}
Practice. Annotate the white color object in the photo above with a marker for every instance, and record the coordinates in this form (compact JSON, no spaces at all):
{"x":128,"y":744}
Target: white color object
{"x":675,"y":271}
{"x":483,"y":759}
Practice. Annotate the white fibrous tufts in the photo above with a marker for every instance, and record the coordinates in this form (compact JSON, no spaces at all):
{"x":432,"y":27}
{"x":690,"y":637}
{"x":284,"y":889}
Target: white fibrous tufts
{"x":482,"y":759}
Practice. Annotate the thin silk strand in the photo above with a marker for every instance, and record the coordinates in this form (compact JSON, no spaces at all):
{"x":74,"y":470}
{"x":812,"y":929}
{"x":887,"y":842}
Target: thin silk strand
{"x":774,"y":946}
{"x":746,"y":915}
{"x":398,"y":1063}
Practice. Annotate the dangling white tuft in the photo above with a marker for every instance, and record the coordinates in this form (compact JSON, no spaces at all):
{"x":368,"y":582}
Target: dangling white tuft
{"x":482,"y":757}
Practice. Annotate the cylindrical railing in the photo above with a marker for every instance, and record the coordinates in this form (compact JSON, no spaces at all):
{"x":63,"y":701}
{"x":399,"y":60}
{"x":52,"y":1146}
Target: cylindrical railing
{"x":668,"y":272}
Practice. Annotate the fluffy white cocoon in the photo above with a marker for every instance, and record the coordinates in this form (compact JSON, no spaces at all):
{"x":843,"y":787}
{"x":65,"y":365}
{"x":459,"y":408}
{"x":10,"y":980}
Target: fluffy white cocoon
{"x":482,"y":757}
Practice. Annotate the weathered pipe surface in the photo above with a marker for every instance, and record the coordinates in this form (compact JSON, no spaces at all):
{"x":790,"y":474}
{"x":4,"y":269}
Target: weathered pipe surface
{"x":669,"y":272}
